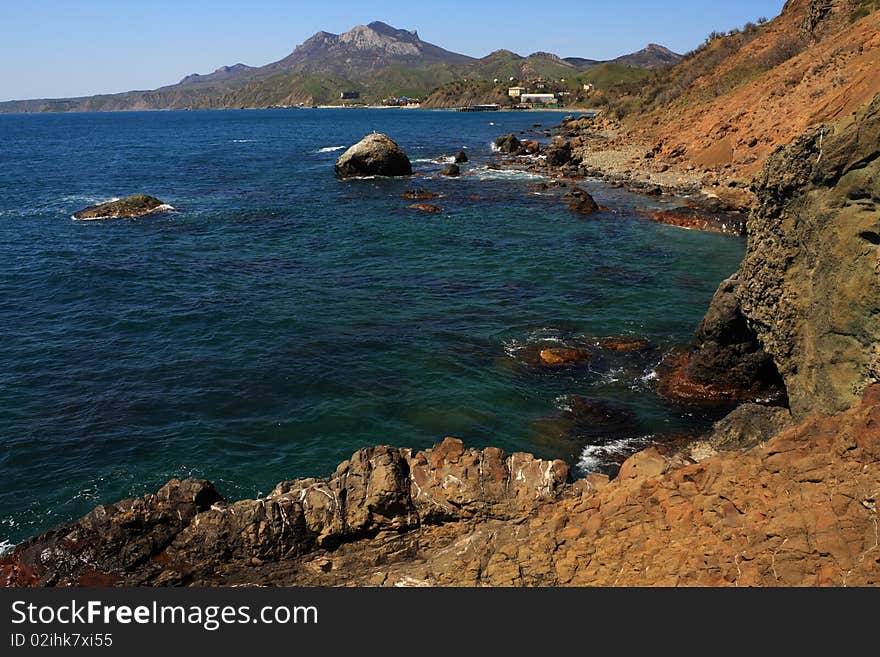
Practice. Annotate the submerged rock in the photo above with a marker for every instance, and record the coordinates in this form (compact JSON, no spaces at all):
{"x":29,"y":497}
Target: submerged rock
{"x":556,"y":357}
{"x":420,"y":195}
{"x":624,"y":344}
{"x":584,"y":421}
{"x":550,"y":357}
{"x":426,"y":207}
{"x":374,"y":155}
{"x":130,"y":207}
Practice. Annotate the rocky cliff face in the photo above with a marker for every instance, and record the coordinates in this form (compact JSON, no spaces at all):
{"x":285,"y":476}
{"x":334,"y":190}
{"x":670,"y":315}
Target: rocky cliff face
{"x":810,"y":284}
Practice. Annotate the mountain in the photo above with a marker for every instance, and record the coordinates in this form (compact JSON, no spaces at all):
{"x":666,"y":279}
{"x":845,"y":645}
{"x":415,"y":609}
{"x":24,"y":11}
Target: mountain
{"x":363,"y":50}
{"x":376,"y":60}
{"x":504,"y":64}
{"x":221,"y":74}
{"x":652,"y":56}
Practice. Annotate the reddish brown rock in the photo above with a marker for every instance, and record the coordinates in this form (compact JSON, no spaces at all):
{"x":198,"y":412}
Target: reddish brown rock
{"x":580,"y":201}
{"x":697,"y":219}
{"x":557,"y":357}
{"x":624,"y":344}
{"x":426,"y":207}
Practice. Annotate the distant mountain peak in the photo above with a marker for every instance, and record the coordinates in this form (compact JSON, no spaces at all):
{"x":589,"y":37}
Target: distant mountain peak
{"x":364,"y":49}
{"x":651,"y":56}
{"x":388,"y":30}
{"x":501,"y":52}
{"x":222,"y":73}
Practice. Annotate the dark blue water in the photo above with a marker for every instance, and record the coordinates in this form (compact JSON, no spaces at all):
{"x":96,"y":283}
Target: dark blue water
{"x":282,"y":319}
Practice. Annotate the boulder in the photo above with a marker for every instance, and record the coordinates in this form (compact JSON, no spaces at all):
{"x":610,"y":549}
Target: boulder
{"x":374,"y":155}
{"x":130,"y":207}
{"x":558,"y":154}
{"x":509,"y":144}
{"x":580,"y":201}
{"x":451,"y":171}
{"x":745,"y":427}
{"x":530,"y":147}
{"x":461,"y":157}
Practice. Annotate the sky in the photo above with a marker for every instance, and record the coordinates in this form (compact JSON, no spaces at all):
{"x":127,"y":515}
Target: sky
{"x":62,"y":48}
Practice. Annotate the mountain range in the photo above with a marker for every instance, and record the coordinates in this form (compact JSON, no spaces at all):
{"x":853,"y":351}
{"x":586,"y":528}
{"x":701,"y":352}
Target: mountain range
{"x":376,"y":61}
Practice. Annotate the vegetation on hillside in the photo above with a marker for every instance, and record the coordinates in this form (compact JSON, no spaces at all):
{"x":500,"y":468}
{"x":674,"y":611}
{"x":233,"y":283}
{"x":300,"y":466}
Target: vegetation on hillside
{"x":706,"y":72}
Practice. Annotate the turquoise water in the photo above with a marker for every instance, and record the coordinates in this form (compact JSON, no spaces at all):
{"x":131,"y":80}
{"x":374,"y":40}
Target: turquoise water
{"x":282,"y":319}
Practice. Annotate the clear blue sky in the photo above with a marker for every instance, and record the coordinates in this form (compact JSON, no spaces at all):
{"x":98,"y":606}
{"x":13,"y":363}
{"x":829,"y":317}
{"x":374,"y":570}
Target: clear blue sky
{"x":57,"y":48}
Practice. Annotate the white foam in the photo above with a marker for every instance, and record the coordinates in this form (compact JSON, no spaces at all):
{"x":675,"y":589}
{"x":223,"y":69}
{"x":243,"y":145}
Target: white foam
{"x":650,"y":375}
{"x":506,"y":174}
{"x":541,"y":335}
{"x":594,"y":457}
{"x":613,"y":375}
{"x":5,"y":546}
{"x":563,"y":403}
{"x":329,"y":149}
{"x":243,"y":141}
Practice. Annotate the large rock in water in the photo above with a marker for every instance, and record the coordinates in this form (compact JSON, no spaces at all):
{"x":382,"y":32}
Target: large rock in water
{"x":726,"y":362}
{"x":374,"y":155}
{"x":809,"y":281}
{"x":130,"y":207}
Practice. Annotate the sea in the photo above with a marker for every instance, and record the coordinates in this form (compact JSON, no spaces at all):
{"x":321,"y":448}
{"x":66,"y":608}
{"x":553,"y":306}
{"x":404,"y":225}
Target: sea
{"x":280,"y":319}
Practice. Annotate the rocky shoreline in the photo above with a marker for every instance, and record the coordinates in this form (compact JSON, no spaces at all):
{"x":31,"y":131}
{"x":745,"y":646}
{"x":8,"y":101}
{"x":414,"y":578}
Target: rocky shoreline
{"x":782,"y":491}
{"x":566,"y":162}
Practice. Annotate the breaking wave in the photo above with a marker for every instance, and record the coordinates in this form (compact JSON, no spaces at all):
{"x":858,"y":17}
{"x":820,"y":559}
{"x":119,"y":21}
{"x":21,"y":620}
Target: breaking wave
{"x":597,"y":457}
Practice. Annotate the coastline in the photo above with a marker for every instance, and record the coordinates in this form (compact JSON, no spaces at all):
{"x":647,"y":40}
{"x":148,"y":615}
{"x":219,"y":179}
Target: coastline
{"x":453,"y":516}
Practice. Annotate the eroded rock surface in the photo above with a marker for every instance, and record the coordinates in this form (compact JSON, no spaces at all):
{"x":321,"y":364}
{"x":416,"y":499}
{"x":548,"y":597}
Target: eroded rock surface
{"x":187,"y":533}
{"x":810,"y":284}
